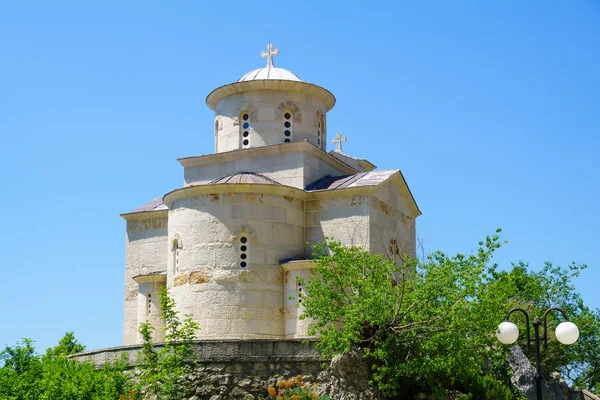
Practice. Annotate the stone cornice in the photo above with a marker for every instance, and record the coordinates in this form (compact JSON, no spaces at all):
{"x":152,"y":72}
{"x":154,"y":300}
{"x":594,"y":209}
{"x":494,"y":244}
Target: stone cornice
{"x":153,"y":277}
{"x":266,"y":151}
{"x":270,"y":84}
{"x":219,"y":188}
{"x":281,"y":190}
{"x":298,"y":264}
{"x":136,"y":216}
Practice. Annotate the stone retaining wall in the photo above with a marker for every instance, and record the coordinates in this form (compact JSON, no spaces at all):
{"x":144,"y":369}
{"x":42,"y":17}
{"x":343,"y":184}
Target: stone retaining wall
{"x":243,"y":369}
{"x":234,"y":369}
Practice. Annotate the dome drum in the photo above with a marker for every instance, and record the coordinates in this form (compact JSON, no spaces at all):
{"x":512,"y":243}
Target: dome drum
{"x":263,"y":118}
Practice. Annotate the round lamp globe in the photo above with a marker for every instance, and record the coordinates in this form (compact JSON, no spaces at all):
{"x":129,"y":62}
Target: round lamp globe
{"x":507,"y":332}
{"x":567,"y":332}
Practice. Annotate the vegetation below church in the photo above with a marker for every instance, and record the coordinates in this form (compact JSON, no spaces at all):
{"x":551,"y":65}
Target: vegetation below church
{"x":53,"y":376}
{"x":424,"y":326}
{"x":427,"y":325}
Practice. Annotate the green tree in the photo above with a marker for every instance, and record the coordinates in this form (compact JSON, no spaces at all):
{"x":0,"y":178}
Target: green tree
{"x":19,"y":375}
{"x":163,"y":371}
{"x":26,"y":375}
{"x":427,"y":325}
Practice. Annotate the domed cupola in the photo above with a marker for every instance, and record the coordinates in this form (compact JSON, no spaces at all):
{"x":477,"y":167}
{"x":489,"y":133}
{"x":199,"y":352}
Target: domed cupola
{"x":270,"y":71}
{"x":269,"y":106}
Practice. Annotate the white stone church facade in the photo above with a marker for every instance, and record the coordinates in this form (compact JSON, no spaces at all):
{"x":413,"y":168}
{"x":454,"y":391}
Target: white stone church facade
{"x":230,"y":243}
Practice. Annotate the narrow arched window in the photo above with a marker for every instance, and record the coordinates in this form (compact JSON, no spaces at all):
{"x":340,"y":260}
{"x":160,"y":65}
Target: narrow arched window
{"x":300,"y":292}
{"x":216,"y":135}
{"x":243,"y":250}
{"x":288,"y":126}
{"x":245,"y":129}
{"x":321,"y":139}
{"x":175,"y":255}
{"x":149,"y":303}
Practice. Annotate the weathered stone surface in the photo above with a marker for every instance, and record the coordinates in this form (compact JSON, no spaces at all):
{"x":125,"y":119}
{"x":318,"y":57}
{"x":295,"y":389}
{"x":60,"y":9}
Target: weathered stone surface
{"x":179,"y":280}
{"x":347,"y":378}
{"x":198,"y":277}
{"x":524,"y":378}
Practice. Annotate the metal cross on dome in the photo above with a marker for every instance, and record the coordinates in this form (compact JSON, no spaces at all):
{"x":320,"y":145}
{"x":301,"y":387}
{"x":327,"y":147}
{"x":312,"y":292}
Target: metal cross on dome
{"x":338,"y":141}
{"x":269,"y":55}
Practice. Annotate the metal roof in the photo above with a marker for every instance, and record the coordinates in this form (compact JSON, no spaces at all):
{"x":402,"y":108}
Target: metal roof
{"x":270,"y":73}
{"x":245,"y":177}
{"x":154,"y":205}
{"x":372,"y":178}
{"x":241,"y":177}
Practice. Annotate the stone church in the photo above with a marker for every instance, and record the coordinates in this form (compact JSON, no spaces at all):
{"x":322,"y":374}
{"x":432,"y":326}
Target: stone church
{"x":230,"y":243}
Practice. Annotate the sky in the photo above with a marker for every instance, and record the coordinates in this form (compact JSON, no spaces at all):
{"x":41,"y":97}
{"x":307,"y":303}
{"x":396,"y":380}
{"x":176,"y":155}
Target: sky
{"x":490,"y":109}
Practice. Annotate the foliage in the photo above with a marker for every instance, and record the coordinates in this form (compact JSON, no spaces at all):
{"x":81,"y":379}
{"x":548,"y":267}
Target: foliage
{"x":552,"y":287}
{"x":53,"y":376}
{"x":24,"y":375}
{"x":294,"y":389}
{"x":19,"y":376}
{"x":163,"y":371}
{"x":427,"y":325}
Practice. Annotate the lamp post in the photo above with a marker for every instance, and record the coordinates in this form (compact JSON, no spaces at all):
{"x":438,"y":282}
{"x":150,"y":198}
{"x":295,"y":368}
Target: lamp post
{"x":566,"y":333}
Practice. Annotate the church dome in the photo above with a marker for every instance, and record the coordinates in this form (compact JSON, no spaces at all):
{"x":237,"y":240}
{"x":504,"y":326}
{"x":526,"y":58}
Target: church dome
{"x":270,"y":73}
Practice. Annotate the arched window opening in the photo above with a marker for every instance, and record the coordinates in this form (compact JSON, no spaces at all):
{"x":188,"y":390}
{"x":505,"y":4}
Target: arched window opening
{"x":321,"y":139}
{"x":299,"y":290}
{"x":288,"y":126}
{"x":175,"y":262}
{"x":243,"y":251}
{"x":148,"y":303}
{"x":216,"y":135}
{"x":245,"y":129}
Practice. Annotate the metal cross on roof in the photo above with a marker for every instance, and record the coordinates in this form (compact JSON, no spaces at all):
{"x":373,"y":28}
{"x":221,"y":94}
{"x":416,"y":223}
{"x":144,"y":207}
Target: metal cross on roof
{"x":338,"y":141}
{"x":269,"y":55}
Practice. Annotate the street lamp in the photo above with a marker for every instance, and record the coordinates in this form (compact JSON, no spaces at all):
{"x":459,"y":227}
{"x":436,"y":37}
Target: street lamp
{"x":566,"y":333}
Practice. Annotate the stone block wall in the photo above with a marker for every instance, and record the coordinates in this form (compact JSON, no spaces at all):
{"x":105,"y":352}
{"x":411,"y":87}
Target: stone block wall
{"x":286,"y":169}
{"x":145,"y":253}
{"x":266,"y":109}
{"x":391,"y":223}
{"x":234,"y":288}
{"x":244,"y":369}
{"x":343,"y":218}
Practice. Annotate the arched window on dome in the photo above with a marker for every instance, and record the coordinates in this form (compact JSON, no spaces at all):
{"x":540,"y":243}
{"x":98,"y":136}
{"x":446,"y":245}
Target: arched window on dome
{"x":288,"y":126}
{"x":244,"y":129}
{"x":321,"y":131}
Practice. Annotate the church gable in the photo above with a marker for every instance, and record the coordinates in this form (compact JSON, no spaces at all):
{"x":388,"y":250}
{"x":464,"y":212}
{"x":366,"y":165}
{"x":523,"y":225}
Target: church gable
{"x":392,"y":218}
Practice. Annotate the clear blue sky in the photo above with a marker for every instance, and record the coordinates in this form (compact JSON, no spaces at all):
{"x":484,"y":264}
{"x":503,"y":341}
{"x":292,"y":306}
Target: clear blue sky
{"x":490,"y":109}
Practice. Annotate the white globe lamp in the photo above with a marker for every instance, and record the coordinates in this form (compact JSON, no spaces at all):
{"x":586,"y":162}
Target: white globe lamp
{"x":507,"y":332}
{"x":567,"y":332}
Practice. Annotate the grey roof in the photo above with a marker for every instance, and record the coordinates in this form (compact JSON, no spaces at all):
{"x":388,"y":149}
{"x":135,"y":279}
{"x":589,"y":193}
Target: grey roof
{"x":372,"y":178}
{"x":245,"y":177}
{"x":241,"y":177}
{"x":154,"y":205}
{"x":270,"y":73}
{"x":155,"y":273}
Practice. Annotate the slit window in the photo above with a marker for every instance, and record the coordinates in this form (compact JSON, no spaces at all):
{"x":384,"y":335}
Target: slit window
{"x":245,"y":129}
{"x":243,"y":251}
{"x":149,"y":303}
{"x":288,"y":126}
{"x":299,"y":290}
